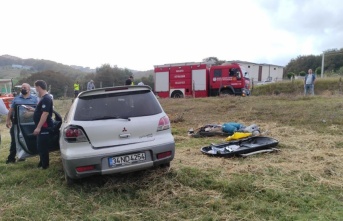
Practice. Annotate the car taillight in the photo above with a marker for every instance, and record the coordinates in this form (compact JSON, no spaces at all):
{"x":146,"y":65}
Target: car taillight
{"x":163,"y":124}
{"x":164,"y":155}
{"x":85,"y":168}
{"x":74,"y":135}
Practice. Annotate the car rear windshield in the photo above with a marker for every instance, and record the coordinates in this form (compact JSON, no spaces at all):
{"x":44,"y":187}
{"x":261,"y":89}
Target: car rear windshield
{"x":117,"y":105}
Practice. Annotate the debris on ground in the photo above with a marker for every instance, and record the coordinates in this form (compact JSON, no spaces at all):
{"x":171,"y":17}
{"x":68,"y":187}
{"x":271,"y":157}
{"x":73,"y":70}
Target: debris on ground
{"x":242,"y":147}
{"x":226,"y":129}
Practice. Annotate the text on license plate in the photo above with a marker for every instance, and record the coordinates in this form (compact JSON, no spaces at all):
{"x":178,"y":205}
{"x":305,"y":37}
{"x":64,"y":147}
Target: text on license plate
{"x":126,"y":159}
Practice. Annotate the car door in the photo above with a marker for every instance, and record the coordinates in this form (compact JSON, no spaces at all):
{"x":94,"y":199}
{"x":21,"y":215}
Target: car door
{"x":23,"y":131}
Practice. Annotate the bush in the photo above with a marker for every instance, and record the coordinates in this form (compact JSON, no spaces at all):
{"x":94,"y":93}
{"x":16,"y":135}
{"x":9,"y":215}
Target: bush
{"x":290,"y":75}
{"x":302,"y":73}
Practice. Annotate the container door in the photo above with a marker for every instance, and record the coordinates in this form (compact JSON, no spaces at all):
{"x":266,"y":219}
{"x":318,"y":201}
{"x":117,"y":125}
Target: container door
{"x":162,"y":81}
{"x":199,"y":80}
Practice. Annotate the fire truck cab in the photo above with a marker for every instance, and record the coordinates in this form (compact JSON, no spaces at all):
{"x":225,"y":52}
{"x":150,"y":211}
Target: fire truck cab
{"x":200,"y":80}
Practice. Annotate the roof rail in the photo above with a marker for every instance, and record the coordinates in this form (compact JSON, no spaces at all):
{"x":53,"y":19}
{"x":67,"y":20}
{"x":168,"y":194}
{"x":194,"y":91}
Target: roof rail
{"x":180,"y":64}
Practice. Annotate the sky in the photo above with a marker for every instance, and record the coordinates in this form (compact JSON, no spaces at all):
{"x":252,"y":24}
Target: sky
{"x":138,"y":34}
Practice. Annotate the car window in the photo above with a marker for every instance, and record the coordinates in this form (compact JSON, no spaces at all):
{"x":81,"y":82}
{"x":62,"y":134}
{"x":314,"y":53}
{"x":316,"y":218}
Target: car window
{"x":117,"y":105}
{"x":24,"y":115}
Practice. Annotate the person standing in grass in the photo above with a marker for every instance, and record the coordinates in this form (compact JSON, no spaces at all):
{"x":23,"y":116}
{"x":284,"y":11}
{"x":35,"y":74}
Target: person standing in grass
{"x":310,"y":78}
{"x":129,"y":81}
{"x":25,"y":97}
{"x":76,"y":88}
{"x":90,"y":85}
{"x":43,"y":120}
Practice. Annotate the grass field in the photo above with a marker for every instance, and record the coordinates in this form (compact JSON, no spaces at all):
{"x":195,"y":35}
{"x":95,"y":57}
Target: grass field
{"x":302,"y":182}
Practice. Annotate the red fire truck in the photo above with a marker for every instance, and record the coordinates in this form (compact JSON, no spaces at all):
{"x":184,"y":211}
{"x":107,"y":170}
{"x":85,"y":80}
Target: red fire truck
{"x":200,"y":80}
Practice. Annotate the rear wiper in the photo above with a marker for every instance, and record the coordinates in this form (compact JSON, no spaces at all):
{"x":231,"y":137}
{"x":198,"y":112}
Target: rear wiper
{"x":111,"y":117}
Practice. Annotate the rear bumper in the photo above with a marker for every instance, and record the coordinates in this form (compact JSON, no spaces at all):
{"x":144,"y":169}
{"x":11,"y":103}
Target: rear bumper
{"x":101,"y":162}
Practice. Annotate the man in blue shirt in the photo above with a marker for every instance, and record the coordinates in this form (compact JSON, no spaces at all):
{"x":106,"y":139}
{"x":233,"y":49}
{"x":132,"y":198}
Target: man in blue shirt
{"x":309,"y":83}
{"x":25,"y":97}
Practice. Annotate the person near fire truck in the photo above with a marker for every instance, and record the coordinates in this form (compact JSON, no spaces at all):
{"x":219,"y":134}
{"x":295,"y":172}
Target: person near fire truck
{"x":76,"y":88}
{"x":129,"y":81}
{"x":90,"y":85}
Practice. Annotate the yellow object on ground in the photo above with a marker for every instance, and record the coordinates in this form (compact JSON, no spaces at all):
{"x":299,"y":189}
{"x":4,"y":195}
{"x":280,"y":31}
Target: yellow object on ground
{"x":238,"y":135}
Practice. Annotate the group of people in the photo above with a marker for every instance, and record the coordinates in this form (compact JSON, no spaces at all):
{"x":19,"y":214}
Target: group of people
{"x":129,"y":81}
{"x":42,"y":117}
{"x":91,"y":86}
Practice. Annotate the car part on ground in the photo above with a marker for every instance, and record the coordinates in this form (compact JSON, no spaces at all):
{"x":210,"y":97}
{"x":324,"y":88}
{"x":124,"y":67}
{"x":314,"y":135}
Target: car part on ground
{"x":226,"y":129}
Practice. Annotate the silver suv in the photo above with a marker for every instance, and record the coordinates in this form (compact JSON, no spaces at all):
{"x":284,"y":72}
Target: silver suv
{"x":115,"y":130}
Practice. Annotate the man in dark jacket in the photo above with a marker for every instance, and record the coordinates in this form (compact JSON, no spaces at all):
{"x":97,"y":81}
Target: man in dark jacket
{"x":129,"y":81}
{"x":43,"y":121}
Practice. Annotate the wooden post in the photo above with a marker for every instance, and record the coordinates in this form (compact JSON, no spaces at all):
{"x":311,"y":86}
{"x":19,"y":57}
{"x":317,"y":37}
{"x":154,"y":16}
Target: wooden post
{"x":65,"y":90}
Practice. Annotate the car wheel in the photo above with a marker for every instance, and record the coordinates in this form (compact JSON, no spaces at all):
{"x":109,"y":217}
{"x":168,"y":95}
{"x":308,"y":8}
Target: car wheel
{"x":165,"y":167}
{"x":68,"y":180}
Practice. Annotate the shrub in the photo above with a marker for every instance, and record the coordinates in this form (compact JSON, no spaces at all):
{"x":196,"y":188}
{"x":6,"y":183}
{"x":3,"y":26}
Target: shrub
{"x":290,"y":75}
{"x":302,"y":73}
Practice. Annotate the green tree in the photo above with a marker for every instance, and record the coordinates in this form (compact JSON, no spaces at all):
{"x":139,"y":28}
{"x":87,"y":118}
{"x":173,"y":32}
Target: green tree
{"x":302,"y":73}
{"x":290,"y":75}
{"x":332,"y":62}
{"x":55,"y":80}
{"x":303,"y":63}
{"x":109,"y":76}
{"x":213,"y":60}
{"x":149,"y":81}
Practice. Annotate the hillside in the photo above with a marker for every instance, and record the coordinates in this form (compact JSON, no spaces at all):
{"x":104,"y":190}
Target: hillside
{"x":13,"y":67}
{"x":140,"y":74}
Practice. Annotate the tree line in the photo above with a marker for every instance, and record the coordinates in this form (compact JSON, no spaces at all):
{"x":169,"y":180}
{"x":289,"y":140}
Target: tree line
{"x":62,"y":80}
{"x":333,"y":64}
{"x":62,"y":85}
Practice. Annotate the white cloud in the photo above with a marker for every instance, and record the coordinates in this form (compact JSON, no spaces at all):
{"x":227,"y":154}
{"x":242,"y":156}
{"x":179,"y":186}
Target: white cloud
{"x":139,"y":34}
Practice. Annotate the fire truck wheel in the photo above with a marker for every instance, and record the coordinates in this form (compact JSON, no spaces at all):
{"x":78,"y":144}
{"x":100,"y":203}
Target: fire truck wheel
{"x":177,"y":94}
{"x":227,"y":92}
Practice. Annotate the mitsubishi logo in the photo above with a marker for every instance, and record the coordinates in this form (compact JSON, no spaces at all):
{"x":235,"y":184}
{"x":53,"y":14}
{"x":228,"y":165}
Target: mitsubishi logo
{"x":124,"y":129}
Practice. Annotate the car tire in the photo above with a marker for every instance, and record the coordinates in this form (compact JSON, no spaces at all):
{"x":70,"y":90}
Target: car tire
{"x":68,"y":180}
{"x":166,"y":165}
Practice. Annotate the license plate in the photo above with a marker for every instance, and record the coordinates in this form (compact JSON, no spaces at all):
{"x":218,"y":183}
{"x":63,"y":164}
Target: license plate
{"x":126,"y":159}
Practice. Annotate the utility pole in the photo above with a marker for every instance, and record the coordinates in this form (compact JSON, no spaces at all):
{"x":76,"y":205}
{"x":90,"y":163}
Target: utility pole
{"x":322,"y":71}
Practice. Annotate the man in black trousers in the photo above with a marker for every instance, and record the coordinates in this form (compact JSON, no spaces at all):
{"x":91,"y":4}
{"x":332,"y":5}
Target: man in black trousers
{"x":43,"y":121}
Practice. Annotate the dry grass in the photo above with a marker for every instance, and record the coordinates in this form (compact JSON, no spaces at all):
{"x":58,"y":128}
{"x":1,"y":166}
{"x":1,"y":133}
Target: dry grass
{"x":301,"y":182}
{"x":303,"y":150}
